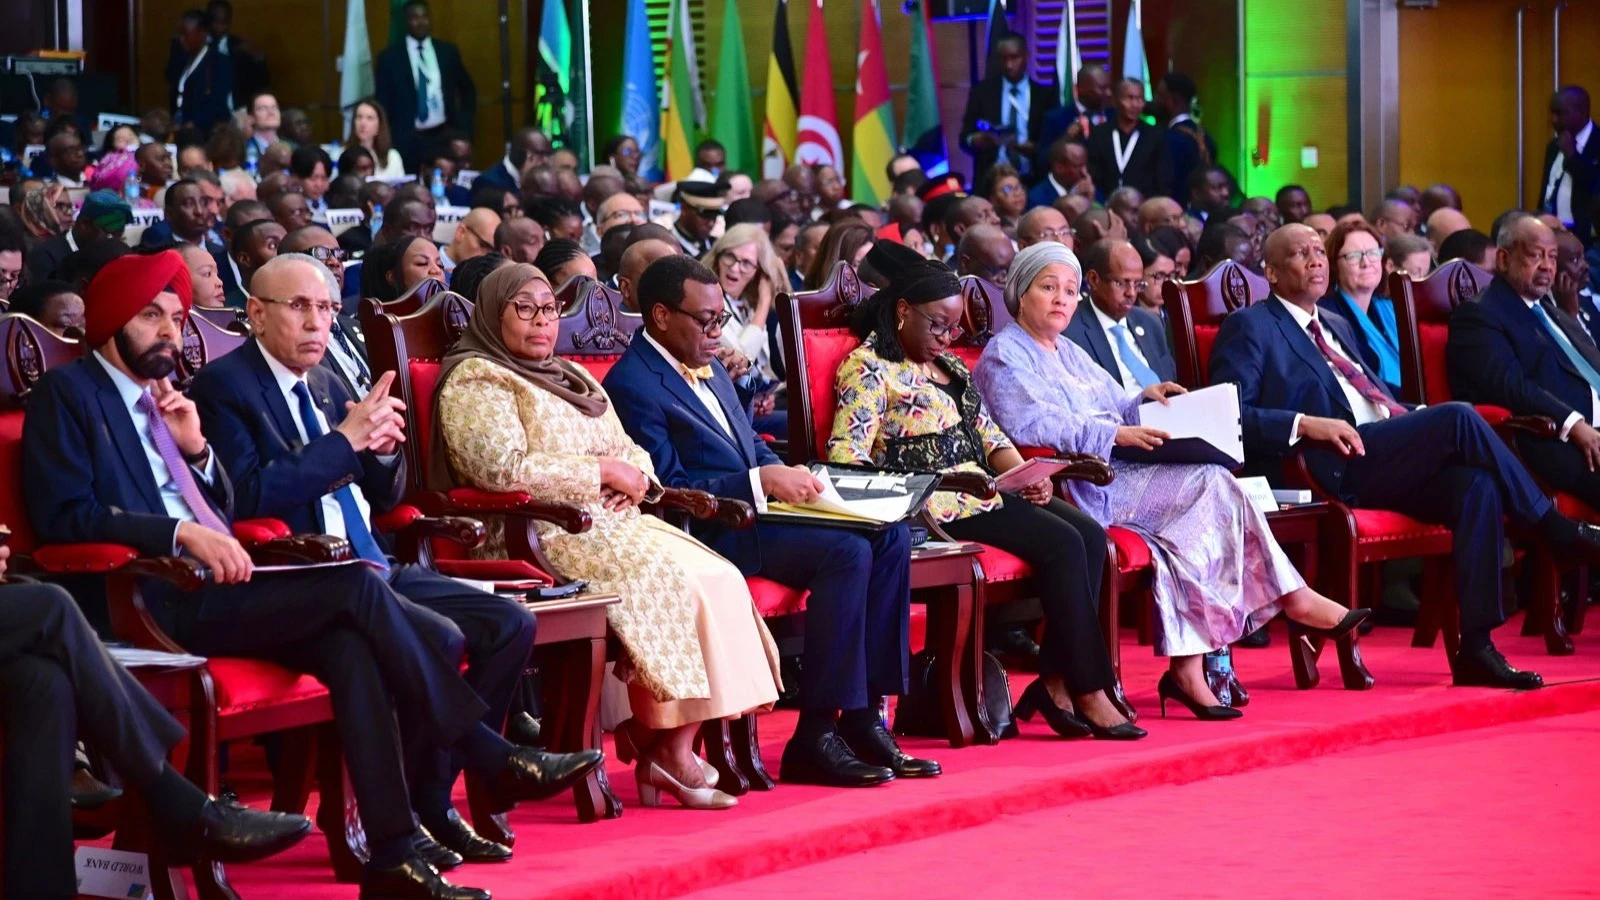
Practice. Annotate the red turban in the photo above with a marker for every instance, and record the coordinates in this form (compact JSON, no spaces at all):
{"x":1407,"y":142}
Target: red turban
{"x":127,"y":285}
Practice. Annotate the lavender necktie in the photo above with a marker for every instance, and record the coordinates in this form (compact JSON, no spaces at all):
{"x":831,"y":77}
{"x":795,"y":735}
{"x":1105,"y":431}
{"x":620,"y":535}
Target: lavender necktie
{"x":177,"y":468}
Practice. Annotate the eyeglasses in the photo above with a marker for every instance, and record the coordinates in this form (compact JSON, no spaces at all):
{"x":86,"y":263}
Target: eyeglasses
{"x":1356,"y":256}
{"x":627,"y":152}
{"x":548,"y":311}
{"x":1123,"y":284}
{"x":1059,"y":235}
{"x":938,"y":329}
{"x":324,"y":309}
{"x":1008,"y":188}
{"x":323,"y":254}
{"x":708,"y":327}
{"x":735,"y":262}
{"x":996,"y":275}
{"x":1162,"y":277}
{"x":631,"y":215}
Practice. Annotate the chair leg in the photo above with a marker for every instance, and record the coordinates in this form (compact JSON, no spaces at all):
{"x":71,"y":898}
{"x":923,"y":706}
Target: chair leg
{"x":210,"y":877}
{"x":135,"y":835}
{"x":336,"y":809}
{"x":983,"y":731}
{"x":949,"y":627}
{"x":576,"y":716}
{"x":291,"y":783}
{"x":717,"y":745}
{"x":746,"y":745}
{"x":1580,"y":601}
{"x":1547,"y":599}
{"x":1434,"y":601}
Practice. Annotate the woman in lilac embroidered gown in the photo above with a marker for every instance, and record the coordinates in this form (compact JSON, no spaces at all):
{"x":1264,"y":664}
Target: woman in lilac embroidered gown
{"x":1219,"y":573}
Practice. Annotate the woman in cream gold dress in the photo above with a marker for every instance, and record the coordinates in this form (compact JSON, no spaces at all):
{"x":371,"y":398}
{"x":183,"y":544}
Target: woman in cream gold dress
{"x":515,"y":417}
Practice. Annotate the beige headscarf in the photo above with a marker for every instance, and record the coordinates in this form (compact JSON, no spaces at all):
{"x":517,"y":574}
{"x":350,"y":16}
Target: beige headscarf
{"x":483,"y":341}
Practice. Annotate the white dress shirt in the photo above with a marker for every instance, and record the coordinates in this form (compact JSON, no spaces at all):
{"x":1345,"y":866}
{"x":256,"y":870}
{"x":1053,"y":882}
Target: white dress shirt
{"x":747,"y":339}
{"x":332,"y":515}
{"x":1130,"y":384}
{"x":708,"y":399}
{"x":425,"y":62}
{"x":171,"y":497}
{"x":1575,"y":416}
{"x":1014,"y":111}
{"x":1558,"y":194}
{"x":1366,"y":412}
{"x":346,"y":364}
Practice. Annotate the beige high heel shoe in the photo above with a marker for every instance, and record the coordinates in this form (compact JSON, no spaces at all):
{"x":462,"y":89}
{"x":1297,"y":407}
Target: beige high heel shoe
{"x":628,"y":751}
{"x":654,"y":780}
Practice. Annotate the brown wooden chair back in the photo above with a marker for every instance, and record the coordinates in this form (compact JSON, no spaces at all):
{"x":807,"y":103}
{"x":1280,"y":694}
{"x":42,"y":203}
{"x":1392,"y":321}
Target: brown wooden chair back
{"x":816,"y":338}
{"x":595,"y":329}
{"x":1422,"y":316}
{"x":30,"y":350}
{"x":984,"y":316}
{"x":204,"y":341}
{"x":414,"y":298}
{"x":1196,"y":309}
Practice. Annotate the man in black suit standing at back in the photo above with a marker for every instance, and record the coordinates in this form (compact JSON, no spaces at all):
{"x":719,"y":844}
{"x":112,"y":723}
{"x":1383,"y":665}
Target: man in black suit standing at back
{"x":199,"y":79}
{"x":424,"y":86}
{"x":1005,"y":112}
{"x":1515,"y":347}
{"x":1127,"y":151}
{"x":1125,"y":340}
{"x":1571,"y":162}
{"x":1188,"y":145}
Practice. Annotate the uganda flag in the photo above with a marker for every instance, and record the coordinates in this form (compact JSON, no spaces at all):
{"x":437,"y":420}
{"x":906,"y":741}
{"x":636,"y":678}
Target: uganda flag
{"x":874,"y":126}
{"x":778,"y":135}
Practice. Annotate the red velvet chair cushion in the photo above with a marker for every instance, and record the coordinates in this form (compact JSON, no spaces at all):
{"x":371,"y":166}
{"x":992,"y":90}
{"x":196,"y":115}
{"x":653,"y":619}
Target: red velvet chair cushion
{"x":475,"y":499}
{"x":245,"y":684}
{"x":96,"y":559}
{"x":251,"y":532}
{"x":1494,"y":415}
{"x":597,"y":366}
{"x":424,"y":375}
{"x":968,"y":355}
{"x":493,"y":570}
{"x":825,"y":350}
{"x":774,"y":599}
{"x":1133,"y":553}
{"x":998,"y":566}
{"x":1573,"y":508}
{"x":396,"y":519}
{"x":1374,"y":525}
{"x":1432,"y":338}
{"x":1205,"y":337}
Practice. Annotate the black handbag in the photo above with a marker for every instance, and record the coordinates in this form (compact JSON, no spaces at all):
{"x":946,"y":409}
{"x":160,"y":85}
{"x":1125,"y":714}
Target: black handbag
{"x":917,"y":714}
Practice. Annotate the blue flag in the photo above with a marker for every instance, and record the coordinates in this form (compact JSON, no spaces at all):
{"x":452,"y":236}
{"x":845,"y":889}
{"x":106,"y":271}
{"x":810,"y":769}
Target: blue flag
{"x":641,"y":110}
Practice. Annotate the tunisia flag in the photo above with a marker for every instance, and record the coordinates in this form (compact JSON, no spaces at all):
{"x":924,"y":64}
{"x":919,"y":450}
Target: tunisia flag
{"x":818,"y":134}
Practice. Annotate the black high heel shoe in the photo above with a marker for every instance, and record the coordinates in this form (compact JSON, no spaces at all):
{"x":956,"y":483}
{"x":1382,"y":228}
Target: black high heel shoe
{"x":1122,"y":731}
{"x":1351,"y":621}
{"x":1168,"y":689}
{"x":1036,"y":699}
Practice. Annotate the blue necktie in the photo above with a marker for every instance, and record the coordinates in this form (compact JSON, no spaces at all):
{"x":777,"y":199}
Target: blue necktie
{"x":355,"y":524}
{"x":1581,"y":364}
{"x":422,"y":82}
{"x":1141,"y":372}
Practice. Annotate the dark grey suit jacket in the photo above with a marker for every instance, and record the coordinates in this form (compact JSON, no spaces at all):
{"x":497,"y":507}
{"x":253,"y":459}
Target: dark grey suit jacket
{"x":1147,"y":330}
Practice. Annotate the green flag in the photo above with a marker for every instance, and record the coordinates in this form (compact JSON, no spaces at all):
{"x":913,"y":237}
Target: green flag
{"x":924,"y":132}
{"x":732,"y":120}
{"x":397,"y":20}
{"x":552,"y":112}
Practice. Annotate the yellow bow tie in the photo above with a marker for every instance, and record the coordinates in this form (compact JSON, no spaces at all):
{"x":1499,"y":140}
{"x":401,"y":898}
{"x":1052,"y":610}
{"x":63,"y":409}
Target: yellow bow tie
{"x":695,"y":375}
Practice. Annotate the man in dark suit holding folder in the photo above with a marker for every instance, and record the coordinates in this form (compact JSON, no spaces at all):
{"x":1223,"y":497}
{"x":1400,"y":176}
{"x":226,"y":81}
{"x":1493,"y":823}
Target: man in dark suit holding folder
{"x":1299,"y":379}
{"x":679,"y":404}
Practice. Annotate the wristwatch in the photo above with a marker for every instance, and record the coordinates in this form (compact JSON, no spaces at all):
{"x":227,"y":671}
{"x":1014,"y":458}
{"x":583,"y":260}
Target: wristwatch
{"x":198,"y":458}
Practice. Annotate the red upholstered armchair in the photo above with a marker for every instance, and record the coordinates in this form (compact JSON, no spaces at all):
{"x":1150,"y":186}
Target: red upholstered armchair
{"x":1422,"y":314}
{"x":248,"y":697}
{"x":1196,"y":309}
{"x":413,"y":298}
{"x":817,"y":338}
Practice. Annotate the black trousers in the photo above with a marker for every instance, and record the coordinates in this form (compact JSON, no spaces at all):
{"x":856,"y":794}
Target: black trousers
{"x":1562,"y":466}
{"x":1067,"y":550}
{"x":858,"y":618}
{"x":55,"y":677}
{"x":375,"y":651}
{"x":498,"y":635}
{"x":1445,"y":465}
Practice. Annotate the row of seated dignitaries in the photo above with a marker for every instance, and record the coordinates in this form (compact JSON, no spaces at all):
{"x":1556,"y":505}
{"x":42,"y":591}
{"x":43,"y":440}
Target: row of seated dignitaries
{"x":113,"y":453}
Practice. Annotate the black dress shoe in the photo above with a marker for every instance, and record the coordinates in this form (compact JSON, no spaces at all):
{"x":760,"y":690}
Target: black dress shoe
{"x":828,"y":761}
{"x":435,"y":854}
{"x":236,"y":834}
{"x":1016,"y":645}
{"x":875,"y":746}
{"x":524,"y":729}
{"x":533,"y":774}
{"x":455,"y":833}
{"x":1487,"y":668}
{"x":413,"y":879}
{"x":90,"y":793}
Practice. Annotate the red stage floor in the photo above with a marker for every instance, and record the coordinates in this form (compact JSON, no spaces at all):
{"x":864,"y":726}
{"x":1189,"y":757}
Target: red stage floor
{"x":670,"y":851}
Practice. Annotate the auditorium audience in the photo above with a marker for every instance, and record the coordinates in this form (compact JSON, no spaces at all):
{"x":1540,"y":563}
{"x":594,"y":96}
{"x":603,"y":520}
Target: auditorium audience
{"x":13,"y":250}
{"x":423,"y":81}
{"x":1210,"y":192}
{"x":520,"y":239}
{"x":53,"y":304}
{"x":474,"y":237}
{"x":46,"y":212}
{"x":1047,"y":392}
{"x":1125,"y":202}
{"x":563,"y":259}
{"x":1126,"y":340}
{"x":906,"y":402}
{"x":1570,"y":179}
{"x":389,"y":270}
{"x":1440,"y":464}
{"x":750,"y":275}
{"x":1359,"y":298}
{"x":1471,"y":245}
{"x":635,"y":259}
{"x":254,"y":244}
{"x":1394,"y":216}
{"x":1043,"y":223}
{"x":104,"y":216}
{"x":1005,"y":111}
{"x":1408,"y":253}
{"x":847,"y":241}
{"x":1442,"y":223}
{"x":985,"y":252}
{"x":204,"y":284}
{"x":369,"y":130}
{"x":513,"y":417}
{"x":1005,"y":193}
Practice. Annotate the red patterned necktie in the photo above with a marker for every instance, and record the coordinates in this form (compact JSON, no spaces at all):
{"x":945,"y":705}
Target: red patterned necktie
{"x":1352,"y":373}
{"x":178,"y":469}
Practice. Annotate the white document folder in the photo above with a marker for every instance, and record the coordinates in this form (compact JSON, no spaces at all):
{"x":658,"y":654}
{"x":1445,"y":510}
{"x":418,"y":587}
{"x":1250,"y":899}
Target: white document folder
{"x":1204,"y":425}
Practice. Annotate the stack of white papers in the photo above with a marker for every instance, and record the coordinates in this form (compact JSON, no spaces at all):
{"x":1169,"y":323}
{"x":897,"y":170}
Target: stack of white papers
{"x":133,"y":658}
{"x":1209,"y":414}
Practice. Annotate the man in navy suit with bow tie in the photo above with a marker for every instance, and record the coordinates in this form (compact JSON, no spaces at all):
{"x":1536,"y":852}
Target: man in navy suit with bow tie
{"x":1300,"y":379}
{"x":299,"y":448}
{"x":679,"y":404}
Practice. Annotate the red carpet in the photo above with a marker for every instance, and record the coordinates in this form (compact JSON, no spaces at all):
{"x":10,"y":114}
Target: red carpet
{"x":1498,"y":812}
{"x":668,"y":852}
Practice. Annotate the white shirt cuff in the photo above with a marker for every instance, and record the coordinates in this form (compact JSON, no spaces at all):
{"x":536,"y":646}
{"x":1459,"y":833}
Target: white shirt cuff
{"x":757,"y":492}
{"x":1294,"y":429}
{"x":387,"y":459}
{"x":175,"y":550}
{"x":1572,"y":420}
{"x":209,"y":470}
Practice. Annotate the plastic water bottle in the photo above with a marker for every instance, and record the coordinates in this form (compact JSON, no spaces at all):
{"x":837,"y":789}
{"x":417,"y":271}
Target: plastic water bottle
{"x":377,"y":218}
{"x":131,"y":190}
{"x":438,"y":187}
{"x":1219,"y":674}
{"x":252,"y":157}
